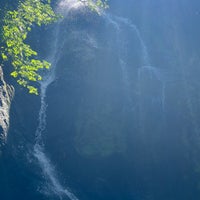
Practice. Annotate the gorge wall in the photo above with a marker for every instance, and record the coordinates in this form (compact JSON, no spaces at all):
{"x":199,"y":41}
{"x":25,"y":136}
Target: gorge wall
{"x":119,"y":117}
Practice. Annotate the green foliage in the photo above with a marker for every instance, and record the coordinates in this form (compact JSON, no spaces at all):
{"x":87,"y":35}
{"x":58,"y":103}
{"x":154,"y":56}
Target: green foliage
{"x":16,"y":26}
{"x":96,"y":5}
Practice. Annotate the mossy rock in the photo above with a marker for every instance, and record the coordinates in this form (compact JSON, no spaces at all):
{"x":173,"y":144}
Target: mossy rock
{"x":99,"y":132}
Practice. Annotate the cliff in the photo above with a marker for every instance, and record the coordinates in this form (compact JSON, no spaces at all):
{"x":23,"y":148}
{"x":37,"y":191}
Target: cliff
{"x":6,"y":95}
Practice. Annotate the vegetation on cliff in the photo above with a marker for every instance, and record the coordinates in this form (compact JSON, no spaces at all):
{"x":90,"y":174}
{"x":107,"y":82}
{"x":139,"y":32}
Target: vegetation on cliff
{"x":16,"y":26}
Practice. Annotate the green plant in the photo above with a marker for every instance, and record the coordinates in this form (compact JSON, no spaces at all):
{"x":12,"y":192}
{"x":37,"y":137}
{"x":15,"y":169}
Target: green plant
{"x":16,"y":26}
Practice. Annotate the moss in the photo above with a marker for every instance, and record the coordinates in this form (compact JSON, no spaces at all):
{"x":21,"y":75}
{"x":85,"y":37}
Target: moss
{"x":99,"y":132}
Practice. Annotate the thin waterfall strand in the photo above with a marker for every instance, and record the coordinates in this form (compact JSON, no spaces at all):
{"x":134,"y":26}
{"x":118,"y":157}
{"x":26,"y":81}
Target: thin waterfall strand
{"x":39,"y":152}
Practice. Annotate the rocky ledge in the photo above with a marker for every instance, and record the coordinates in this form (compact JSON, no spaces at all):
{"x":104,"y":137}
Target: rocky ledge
{"x":6,"y":95}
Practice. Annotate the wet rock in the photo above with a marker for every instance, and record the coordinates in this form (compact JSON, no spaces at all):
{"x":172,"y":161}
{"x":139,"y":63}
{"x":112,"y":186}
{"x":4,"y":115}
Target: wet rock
{"x":6,"y":95}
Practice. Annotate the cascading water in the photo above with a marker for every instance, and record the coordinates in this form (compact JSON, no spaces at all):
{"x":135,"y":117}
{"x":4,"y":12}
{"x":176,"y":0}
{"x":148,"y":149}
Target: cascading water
{"x":146,"y":65}
{"x":121,"y":51}
{"x":133,"y":27}
{"x":54,"y":185}
{"x":39,"y":151}
{"x":147,"y":74}
{"x":118,"y":23}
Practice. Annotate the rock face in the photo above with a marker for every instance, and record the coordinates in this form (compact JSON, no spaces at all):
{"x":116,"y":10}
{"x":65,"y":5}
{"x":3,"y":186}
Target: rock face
{"x":6,"y":95}
{"x":92,"y":103}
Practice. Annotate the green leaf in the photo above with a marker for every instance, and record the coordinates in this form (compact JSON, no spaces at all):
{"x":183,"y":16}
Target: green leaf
{"x":4,"y":56}
{"x":16,"y":26}
{"x":14,"y":74}
{"x":32,"y":90}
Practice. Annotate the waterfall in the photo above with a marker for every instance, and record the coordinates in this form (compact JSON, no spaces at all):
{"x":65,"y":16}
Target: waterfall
{"x":48,"y":169}
{"x":118,"y":23}
{"x":134,"y":28}
{"x":121,"y":51}
{"x":145,"y":71}
{"x":66,"y":6}
{"x":39,"y":150}
{"x":146,"y":64}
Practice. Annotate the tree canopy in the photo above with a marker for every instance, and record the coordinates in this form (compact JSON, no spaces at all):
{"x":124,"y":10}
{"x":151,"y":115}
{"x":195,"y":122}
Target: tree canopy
{"x":16,"y":26}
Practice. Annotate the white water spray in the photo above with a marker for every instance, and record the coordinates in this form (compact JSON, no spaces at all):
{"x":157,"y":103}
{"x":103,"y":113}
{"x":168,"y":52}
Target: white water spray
{"x":67,"y":6}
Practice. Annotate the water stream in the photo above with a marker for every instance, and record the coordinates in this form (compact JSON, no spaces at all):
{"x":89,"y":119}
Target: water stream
{"x":54,"y":185}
